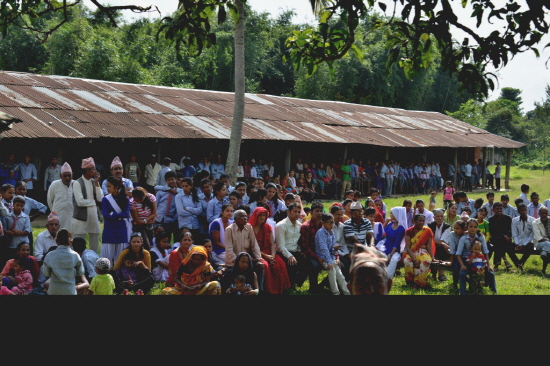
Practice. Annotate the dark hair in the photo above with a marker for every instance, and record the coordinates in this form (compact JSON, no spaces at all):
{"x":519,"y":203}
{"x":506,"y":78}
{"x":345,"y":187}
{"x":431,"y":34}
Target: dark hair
{"x":236,"y":194}
{"x":520,"y":205}
{"x":63,"y":237}
{"x":129,"y":247}
{"x":497,"y":204}
{"x":26,"y":263}
{"x":275,"y":198}
{"x":193,"y":191}
{"x":461,"y":223}
{"x":369,"y":211}
{"x":406,"y":201}
{"x":280,"y":215}
{"x":347,"y":200}
{"x":479,"y":201}
{"x":417,"y":216}
{"x":79,"y":244}
{"x":482,"y":209}
{"x":534,"y":194}
{"x":240,"y":184}
{"x":6,"y":186}
{"x":170,"y":174}
{"x":490,"y":193}
{"x":335,"y":208}
{"x":224,"y":206}
{"x":505,"y":197}
{"x":166,"y":161}
{"x":19,"y":183}
{"x":290,"y":196}
{"x":20,"y":245}
{"x":524,"y":188}
{"x":19,"y":199}
{"x":140,"y":192}
{"x":120,"y":197}
{"x":262,"y":192}
{"x":316,"y":205}
{"x":161,"y":236}
{"x":326,"y":216}
{"x":293,"y":205}
{"x":518,"y":201}
{"x":223,"y":176}
{"x":218,"y":187}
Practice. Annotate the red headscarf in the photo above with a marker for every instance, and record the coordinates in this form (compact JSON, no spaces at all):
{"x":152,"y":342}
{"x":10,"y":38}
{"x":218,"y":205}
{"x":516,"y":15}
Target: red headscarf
{"x":264,"y":235}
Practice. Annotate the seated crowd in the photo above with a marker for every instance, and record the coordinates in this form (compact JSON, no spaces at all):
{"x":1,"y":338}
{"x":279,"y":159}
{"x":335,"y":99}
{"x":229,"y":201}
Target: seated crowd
{"x":189,"y":228}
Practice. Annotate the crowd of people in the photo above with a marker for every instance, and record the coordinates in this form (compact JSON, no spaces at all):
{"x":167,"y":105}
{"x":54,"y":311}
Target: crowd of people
{"x":188,"y":227}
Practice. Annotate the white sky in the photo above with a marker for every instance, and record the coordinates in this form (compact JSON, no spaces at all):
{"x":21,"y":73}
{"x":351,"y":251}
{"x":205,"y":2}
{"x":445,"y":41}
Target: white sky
{"x":524,"y":72}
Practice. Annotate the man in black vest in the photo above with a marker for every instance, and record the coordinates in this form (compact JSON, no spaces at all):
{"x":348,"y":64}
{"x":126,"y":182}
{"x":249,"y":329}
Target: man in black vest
{"x":86,"y":194}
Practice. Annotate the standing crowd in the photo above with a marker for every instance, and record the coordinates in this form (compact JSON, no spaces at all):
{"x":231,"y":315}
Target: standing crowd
{"x":186,"y":226}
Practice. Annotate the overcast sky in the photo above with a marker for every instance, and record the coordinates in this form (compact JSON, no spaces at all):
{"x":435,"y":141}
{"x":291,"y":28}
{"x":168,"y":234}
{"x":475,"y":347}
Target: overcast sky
{"x":524,"y":72}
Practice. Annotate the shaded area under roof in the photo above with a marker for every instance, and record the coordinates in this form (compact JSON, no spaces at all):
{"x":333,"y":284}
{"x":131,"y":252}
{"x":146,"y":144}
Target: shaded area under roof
{"x":66,"y":107}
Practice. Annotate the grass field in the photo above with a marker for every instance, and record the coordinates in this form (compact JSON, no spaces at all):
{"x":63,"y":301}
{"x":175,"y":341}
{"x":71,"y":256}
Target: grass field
{"x":531,"y":282}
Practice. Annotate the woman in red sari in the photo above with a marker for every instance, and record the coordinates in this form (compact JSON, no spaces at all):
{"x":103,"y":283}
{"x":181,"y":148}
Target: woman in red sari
{"x":419,"y":252}
{"x":276,"y":279}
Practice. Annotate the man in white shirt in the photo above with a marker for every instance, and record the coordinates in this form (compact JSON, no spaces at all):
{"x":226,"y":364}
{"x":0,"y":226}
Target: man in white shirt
{"x":522,"y":233}
{"x":46,"y":239}
{"x":288,"y":235}
{"x":60,"y":198}
{"x":541,"y":237}
{"x":151,"y":173}
{"x":87,"y":195}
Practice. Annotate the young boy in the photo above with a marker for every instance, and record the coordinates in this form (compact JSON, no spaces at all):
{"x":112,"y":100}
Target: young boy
{"x":506,"y":208}
{"x":102,"y":283}
{"x":18,"y":226}
{"x":489,"y":205}
{"x":478,"y":203}
{"x":463,"y":201}
{"x":534,"y":206}
{"x":524,"y":193}
{"x":326,"y":248}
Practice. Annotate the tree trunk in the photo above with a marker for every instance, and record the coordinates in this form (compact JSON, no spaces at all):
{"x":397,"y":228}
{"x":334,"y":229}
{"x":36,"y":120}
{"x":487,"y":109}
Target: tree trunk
{"x":238,"y":109}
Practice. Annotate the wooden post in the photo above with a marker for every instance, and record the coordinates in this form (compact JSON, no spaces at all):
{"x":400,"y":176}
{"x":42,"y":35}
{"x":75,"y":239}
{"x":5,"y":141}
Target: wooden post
{"x":484,"y":173}
{"x":456,"y":168}
{"x":387,"y":153}
{"x":288,"y":157}
{"x":345,"y":154}
{"x":508,"y":162}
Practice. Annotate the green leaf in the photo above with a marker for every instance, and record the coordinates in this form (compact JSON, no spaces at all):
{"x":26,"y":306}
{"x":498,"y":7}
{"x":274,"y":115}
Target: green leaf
{"x":222,"y":14}
{"x":382,"y":6}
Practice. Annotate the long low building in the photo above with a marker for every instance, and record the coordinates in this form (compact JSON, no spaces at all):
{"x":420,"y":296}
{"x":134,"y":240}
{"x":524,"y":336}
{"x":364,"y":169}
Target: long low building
{"x":72,"y":118}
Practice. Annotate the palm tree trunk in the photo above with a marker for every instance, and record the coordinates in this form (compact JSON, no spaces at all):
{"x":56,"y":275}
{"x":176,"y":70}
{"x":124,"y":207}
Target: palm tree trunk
{"x":238,"y":109}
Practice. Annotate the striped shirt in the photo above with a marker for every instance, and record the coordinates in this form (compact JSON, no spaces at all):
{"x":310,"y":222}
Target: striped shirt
{"x":359,"y":231}
{"x":143,"y":210}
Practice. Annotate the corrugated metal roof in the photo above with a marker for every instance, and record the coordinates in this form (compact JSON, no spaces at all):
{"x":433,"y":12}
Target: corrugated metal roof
{"x":66,"y":107}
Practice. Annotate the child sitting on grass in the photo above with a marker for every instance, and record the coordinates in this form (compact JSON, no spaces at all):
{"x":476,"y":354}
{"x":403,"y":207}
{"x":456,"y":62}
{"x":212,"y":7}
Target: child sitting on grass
{"x":102,"y":283}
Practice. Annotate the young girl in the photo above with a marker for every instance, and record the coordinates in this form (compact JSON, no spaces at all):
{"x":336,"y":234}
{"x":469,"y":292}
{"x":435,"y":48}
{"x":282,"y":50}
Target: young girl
{"x":23,"y":276}
{"x":116,"y":211}
{"x":272,"y":199}
{"x":448,"y":193}
{"x":235,"y":200}
{"x":159,"y":257}
{"x":143,"y":208}
{"x":217,"y":230}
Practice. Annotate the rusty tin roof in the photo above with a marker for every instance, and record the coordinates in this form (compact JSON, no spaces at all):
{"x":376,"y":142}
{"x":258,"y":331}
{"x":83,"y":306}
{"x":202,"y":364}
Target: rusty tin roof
{"x":67,"y":107}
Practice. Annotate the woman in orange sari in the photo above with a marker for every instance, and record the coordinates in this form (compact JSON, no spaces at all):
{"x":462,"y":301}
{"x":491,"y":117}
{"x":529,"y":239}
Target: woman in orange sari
{"x":194,"y":275}
{"x":276,"y":279}
{"x":419,"y":252}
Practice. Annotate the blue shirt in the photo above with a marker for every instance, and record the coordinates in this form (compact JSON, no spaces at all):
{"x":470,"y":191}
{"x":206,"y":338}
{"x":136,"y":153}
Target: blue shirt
{"x":166,"y":213}
{"x":22,"y":223}
{"x":28,"y":172}
{"x":214,"y":209}
{"x":32,"y":204}
{"x":188,"y":211}
{"x":465,"y":245}
{"x":324,"y":245}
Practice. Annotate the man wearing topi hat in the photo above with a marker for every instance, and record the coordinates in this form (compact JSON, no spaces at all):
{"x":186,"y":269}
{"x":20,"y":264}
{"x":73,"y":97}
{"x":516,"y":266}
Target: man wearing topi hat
{"x":60,"y":198}
{"x":86,"y":195}
{"x":46,"y":239}
{"x":116,"y":171}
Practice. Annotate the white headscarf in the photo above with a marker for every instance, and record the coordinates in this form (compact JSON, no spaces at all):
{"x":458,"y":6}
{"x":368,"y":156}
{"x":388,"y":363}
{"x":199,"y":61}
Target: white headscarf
{"x":400,"y":214}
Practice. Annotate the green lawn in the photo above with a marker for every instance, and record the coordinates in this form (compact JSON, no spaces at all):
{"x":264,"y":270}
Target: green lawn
{"x":531,"y":282}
